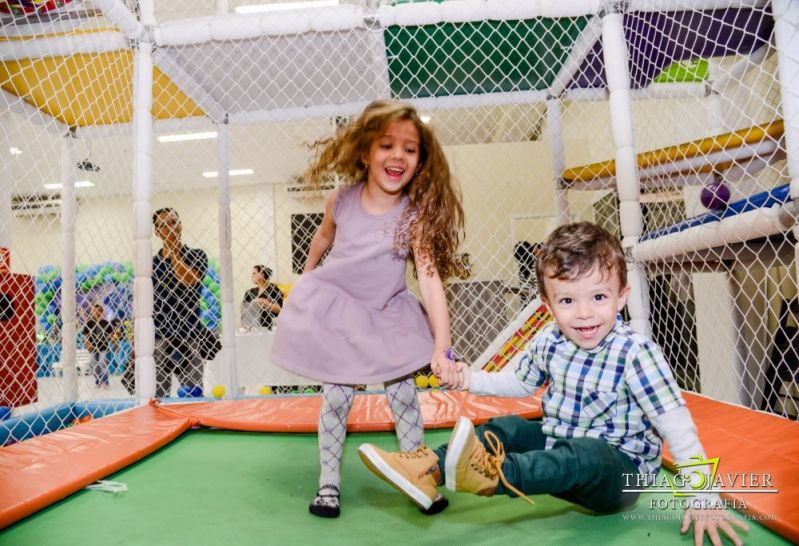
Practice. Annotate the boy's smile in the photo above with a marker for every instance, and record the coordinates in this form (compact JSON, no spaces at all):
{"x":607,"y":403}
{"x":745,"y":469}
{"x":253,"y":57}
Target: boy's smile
{"x":585,"y":308}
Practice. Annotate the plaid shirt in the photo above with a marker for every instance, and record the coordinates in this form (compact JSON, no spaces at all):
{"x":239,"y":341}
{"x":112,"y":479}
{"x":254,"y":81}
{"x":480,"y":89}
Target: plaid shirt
{"x":610,"y":392}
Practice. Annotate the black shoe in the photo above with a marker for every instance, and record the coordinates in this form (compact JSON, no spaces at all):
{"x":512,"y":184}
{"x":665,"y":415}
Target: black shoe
{"x":438,"y":505}
{"x":326,"y":502}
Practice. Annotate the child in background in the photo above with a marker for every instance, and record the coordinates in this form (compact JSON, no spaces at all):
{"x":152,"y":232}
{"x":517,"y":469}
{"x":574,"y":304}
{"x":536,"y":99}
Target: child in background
{"x":353,"y":321}
{"x":610,"y":397}
{"x":97,"y":334}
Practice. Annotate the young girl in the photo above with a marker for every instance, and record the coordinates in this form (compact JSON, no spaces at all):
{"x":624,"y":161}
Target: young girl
{"x":353,"y":321}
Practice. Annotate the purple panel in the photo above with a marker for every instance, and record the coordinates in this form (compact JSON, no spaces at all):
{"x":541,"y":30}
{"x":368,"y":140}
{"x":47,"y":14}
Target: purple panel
{"x":656,"y":40}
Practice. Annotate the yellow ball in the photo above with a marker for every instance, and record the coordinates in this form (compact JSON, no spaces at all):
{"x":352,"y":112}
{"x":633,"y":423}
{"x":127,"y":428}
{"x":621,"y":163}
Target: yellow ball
{"x":422,"y":382}
{"x":218,"y":391}
{"x":434,"y":382}
{"x":266,"y":390}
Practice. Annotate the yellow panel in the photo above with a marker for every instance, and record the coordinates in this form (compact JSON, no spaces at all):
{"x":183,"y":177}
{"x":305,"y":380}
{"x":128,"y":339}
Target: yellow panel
{"x":705,"y":146}
{"x":91,"y":89}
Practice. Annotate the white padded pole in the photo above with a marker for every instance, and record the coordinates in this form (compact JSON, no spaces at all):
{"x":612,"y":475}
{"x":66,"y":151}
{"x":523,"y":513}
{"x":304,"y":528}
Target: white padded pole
{"x":69,"y":328}
{"x":786,"y":39}
{"x":144,"y":329}
{"x":786,"y":35}
{"x":557,"y":159}
{"x":228,"y":352}
{"x":615,"y":56}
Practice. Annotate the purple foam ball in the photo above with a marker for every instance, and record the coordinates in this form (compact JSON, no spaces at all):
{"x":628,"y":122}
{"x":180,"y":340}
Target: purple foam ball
{"x":715,"y":196}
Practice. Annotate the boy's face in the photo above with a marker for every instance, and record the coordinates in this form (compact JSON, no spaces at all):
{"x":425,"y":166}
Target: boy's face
{"x":585,"y":308}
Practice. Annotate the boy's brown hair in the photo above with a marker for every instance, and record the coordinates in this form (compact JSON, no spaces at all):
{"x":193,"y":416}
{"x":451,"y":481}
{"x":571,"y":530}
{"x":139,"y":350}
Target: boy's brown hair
{"x":573,"y":250}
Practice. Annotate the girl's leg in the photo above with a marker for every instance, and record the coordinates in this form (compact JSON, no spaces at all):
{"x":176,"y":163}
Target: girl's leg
{"x":404,"y":403}
{"x":336,"y":404}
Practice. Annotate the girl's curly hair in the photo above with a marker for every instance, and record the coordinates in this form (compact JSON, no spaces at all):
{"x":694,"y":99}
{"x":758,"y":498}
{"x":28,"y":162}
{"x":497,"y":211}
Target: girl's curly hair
{"x":435,"y":216}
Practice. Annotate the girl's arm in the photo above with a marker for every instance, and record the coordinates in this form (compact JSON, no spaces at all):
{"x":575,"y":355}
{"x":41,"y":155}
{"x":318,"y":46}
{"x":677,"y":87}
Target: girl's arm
{"x":435,"y":303}
{"x":324,"y":235}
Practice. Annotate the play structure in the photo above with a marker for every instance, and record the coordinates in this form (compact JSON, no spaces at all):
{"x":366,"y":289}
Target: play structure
{"x":674,"y":124}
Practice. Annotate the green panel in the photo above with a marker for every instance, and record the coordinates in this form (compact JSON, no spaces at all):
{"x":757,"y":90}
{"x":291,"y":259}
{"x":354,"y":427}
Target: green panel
{"x":481,"y":57}
{"x":695,"y":70}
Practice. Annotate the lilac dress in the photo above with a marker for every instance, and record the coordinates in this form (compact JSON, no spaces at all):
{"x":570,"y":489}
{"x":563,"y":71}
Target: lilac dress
{"x":353,"y":319}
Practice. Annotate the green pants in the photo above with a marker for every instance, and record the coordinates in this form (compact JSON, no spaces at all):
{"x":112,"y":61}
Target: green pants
{"x":585,"y":471}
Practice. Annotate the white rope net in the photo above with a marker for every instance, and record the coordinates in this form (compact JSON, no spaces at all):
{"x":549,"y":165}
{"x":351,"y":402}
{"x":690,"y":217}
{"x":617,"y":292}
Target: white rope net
{"x":516,"y":91}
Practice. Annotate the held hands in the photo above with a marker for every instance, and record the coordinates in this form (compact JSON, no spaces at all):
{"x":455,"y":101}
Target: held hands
{"x":710,"y":520}
{"x":452,"y":374}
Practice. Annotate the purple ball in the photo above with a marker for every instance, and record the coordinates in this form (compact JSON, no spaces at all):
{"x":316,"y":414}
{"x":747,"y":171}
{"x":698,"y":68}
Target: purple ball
{"x":715,"y":196}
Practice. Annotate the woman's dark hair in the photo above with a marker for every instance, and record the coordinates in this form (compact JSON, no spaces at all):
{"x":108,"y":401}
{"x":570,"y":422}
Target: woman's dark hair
{"x":263,"y":270}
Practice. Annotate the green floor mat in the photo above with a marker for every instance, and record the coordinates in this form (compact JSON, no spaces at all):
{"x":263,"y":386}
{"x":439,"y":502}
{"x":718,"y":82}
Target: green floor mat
{"x":221,"y":487}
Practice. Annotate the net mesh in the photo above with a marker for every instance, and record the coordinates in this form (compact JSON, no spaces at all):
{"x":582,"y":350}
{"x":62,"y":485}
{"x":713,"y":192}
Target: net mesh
{"x":722,"y":294}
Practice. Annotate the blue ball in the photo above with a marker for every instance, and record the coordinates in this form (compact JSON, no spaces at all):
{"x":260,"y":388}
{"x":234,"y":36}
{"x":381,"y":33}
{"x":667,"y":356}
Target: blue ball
{"x":184,"y":392}
{"x":196,"y":392}
{"x":5,"y":412}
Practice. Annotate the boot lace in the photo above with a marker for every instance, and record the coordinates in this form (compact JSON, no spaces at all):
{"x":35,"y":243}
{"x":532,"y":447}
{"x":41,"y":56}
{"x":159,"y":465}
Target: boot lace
{"x":490,"y":464}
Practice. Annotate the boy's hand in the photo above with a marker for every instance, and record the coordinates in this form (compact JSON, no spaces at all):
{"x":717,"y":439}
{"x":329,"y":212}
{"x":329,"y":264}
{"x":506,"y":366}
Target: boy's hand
{"x":710,"y":520}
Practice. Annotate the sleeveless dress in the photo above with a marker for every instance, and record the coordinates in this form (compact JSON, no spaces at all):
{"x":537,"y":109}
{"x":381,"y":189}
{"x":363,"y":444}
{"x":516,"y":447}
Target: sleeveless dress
{"x":353,"y":320}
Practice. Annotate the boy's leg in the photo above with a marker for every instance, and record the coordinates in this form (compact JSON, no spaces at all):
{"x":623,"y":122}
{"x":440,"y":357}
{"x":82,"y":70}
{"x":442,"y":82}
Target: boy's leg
{"x":586,"y":471}
{"x":336,"y":404}
{"x":518,"y":435}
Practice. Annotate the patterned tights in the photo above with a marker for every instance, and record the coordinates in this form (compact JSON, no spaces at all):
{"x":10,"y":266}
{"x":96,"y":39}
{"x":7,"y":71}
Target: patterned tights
{"x":336,"y":404}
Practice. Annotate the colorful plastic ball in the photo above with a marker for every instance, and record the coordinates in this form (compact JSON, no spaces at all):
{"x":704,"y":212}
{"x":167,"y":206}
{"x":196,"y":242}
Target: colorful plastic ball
{"x":218,"y":391}
{"x":184,"y":392}
{"x":5,"y":412}
{"x":196,"y":392}
{"x":309,"y":390}
{"x":433,"y":381}
{"x":422,"y":381}
{"x":715,"y":196}
{"x":266,"y":390}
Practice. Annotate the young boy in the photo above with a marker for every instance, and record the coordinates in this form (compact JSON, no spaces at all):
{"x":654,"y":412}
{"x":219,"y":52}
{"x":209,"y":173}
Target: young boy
{"x":608,"y":390}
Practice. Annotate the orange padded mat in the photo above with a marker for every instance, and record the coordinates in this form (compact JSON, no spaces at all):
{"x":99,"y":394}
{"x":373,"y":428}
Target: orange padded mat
{"x":752,"y":442}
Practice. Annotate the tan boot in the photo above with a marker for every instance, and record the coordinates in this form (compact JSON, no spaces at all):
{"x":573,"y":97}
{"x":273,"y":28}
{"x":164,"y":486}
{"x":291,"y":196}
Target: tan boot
{"x":470,"y":467}
{"x":413,"y":473}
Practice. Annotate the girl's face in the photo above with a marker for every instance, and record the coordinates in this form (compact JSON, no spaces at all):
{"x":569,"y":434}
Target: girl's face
{"x":255,"y":275}
{"x":394,"y":157}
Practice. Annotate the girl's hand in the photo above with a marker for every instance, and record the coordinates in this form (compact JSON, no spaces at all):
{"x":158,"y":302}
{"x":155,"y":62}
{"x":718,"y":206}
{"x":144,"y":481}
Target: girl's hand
{"x":449,"y":372}
{"x":456,"y":376}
